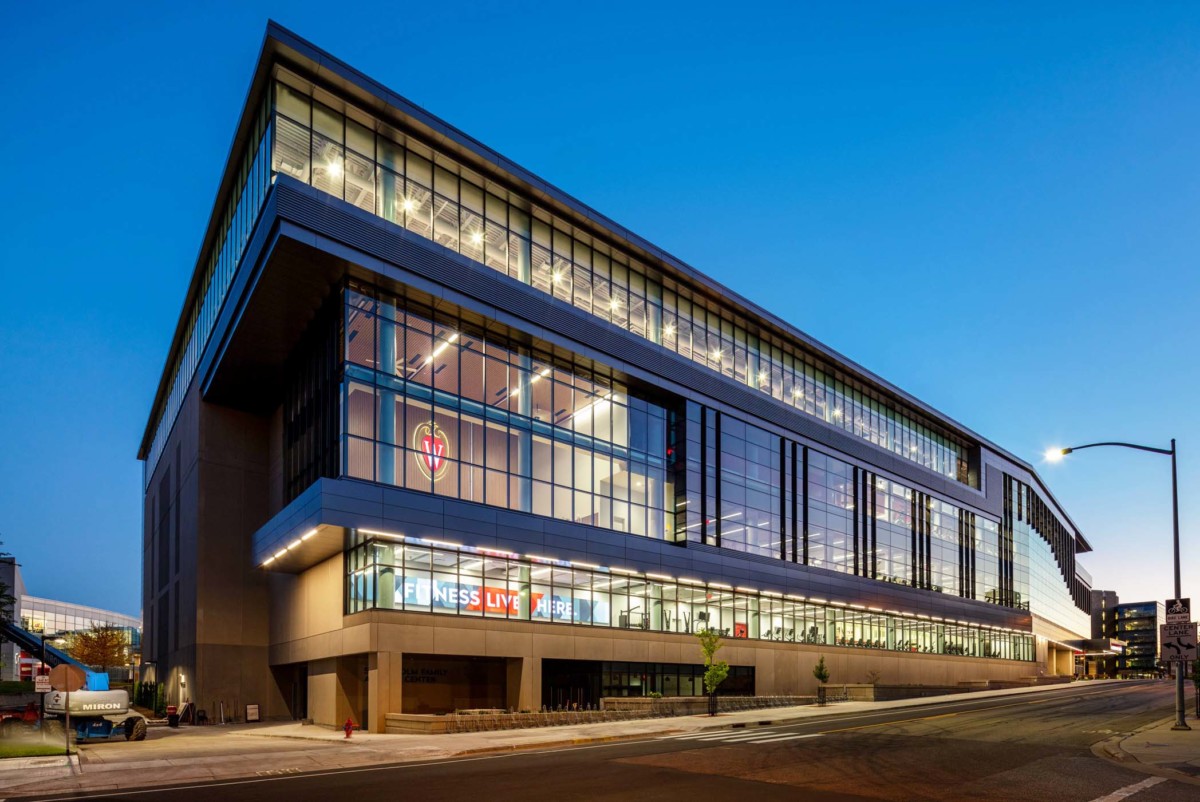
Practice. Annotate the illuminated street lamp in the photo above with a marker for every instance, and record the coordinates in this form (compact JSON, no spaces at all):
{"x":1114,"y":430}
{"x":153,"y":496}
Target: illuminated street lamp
{"x":1056,"y":454}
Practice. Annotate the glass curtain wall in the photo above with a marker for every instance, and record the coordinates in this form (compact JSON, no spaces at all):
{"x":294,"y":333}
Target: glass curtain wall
{"x":431,"y":405}
{"x":415,"y":576}
{"x":219,"y":261}
{"x":354,"y":156}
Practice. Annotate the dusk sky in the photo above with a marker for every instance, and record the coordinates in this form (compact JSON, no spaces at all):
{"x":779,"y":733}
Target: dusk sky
{"x":995,"y":209}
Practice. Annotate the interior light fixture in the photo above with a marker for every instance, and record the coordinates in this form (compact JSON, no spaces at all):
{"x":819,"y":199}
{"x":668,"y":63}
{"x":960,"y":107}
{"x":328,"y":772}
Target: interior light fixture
{"x":557,"y":276}
{"x":409,"y":204}
{"x":333,"y":169}
{"x":477,"y":238}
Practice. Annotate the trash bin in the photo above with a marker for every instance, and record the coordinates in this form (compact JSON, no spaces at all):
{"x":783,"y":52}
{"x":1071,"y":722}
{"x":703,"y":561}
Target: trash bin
{"x":172,"y":716}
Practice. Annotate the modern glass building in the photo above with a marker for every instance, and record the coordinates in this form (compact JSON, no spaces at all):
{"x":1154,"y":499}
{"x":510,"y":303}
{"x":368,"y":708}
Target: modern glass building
{"x":1137,"y":624}
{"x":60,"y":621}
{"x":433,"y":434}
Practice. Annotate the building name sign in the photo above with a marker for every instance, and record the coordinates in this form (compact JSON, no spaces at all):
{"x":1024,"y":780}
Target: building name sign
{"x":470,"y":597}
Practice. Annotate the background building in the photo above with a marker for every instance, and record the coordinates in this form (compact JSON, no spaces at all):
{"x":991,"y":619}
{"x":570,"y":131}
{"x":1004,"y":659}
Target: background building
{"x":1100,"y":653}
{"x":432,"y":434}
{"x":1137,"y":624}
{"x":60,"y":619}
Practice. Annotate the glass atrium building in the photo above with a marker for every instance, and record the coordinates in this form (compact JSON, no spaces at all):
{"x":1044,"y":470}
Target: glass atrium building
{"x":434,"y":435}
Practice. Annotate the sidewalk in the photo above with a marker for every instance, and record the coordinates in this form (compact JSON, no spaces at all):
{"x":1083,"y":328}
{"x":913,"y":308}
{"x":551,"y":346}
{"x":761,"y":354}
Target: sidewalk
{"x":1159,"y":749}
{"x":266,"y":750}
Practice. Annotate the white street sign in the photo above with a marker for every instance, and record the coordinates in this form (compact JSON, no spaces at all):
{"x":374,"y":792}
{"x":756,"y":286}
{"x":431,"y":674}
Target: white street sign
{"x":41,"y":683}
{"x":1178,"y":642}
{"x":1179,"y":611}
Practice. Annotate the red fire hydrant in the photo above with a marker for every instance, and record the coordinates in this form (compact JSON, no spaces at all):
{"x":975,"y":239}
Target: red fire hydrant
{"x":348,"y":727}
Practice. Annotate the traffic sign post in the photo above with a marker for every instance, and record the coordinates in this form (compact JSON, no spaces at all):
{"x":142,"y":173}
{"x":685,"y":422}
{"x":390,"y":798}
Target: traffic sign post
{"x":1178,"y":642}
{"x":1179,"y":611}
{"x":67,"y":678}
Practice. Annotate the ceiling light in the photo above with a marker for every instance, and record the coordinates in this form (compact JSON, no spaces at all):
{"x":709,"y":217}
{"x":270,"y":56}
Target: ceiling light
{"x":476,"y":238}
{"x":333,"y":169}
{"x":409,"y":204}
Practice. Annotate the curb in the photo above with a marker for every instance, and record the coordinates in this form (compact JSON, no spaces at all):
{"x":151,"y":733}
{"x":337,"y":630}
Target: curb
{"x":600,"y":739}
{"x":1110,"y":750}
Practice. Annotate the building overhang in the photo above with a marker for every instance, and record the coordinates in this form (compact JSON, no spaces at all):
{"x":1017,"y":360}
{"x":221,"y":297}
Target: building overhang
{"x":332,"y":514}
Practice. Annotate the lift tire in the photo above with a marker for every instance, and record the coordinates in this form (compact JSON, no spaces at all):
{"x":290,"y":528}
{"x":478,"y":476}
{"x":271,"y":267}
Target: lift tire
{"x":135,"y":729}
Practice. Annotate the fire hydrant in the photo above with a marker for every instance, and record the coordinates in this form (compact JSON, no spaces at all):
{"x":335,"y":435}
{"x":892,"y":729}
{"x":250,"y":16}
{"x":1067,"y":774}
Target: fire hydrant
{"x":348,"y":727}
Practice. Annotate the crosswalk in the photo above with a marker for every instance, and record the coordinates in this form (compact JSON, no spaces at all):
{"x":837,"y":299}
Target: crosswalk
{"x":758,"y":735}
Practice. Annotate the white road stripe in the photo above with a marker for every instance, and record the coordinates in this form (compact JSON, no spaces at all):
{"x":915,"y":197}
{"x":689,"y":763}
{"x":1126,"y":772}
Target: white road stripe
{"x":717,"y":736}
{"x":741,"y":736}
{"x":778,"y":738}
{"x":1130,"y":790}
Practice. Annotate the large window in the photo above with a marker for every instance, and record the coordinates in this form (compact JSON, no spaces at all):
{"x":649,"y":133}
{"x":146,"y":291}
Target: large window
{"x":750,"y":486}
{"x":831,"y":511}
{"x":355,"y":157}
{"x":414,"y":575}
{"x":430,"y":405}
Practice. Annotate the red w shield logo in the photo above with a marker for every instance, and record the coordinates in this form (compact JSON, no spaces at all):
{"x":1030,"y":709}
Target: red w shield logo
{"x":434,"y":449}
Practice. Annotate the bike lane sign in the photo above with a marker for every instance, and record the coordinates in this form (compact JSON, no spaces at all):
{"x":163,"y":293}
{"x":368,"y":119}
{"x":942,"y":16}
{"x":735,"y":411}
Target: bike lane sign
{"x":1179,"y":611}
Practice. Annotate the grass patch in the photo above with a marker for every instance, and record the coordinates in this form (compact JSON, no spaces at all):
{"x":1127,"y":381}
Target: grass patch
{"x":9,"y":686}
{"x":29,"y":750}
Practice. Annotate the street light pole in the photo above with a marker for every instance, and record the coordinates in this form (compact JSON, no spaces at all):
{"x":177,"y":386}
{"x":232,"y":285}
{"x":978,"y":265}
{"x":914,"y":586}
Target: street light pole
{"x":1055,"y":454}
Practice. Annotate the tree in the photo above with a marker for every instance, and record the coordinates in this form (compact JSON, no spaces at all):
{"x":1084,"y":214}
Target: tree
{"x":103,"y":646}
{"x":714,"y":672}
{"x":821,"y":673}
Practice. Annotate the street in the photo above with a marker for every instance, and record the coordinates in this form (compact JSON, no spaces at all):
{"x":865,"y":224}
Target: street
{"x":988,"y":749}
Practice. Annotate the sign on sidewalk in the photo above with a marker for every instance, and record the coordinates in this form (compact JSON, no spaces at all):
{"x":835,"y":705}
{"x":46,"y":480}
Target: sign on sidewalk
{"x":1179,"y":611}
{"x":1178,"y":642}
{"x":41,"y":683}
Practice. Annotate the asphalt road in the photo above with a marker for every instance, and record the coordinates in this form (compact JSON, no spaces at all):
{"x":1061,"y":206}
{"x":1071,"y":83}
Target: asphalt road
{"x":1007,"y":748}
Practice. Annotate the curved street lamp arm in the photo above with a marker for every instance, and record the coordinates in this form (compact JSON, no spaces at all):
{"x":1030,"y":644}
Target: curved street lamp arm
{"x":1122,"y":445}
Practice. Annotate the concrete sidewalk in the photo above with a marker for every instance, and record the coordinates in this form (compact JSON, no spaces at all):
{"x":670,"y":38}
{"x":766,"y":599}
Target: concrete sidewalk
{"x":266,"y":750}
{"x":1158,"y":749}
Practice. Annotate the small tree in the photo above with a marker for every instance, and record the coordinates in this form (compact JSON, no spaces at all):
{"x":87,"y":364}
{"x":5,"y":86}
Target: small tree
{"x":821,"y":673}
{"x":103,"y":646}
{"x":872,"y":677}
{"x":714,"y":672}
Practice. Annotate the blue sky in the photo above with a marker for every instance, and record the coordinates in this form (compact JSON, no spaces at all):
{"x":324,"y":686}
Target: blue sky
{"x":994,"y":208}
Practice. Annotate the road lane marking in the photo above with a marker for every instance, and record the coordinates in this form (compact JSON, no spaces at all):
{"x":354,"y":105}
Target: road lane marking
{"x":777,"y":738}
{"x":1133,"y":686}
{"x":1130,"y":790}
{"x":889,"y":723}
{"x":709,"y":734}
{"x":725,"y":736}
